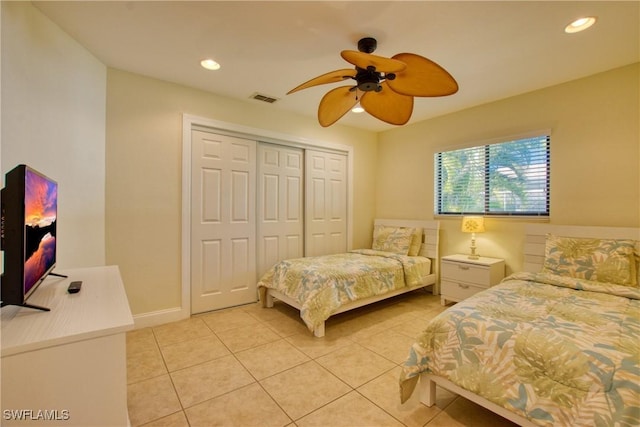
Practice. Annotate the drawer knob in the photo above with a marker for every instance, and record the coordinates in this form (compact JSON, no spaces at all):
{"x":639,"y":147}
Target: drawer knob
{"x":463,"y":267}
{"x":463,"y":286}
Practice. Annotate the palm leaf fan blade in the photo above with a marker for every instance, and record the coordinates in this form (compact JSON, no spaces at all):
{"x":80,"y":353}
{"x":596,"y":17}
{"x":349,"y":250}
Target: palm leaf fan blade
{"x":330,"y":77}
{"x":364,"y":60}
{"x":388,"y":106}
{"x":335,"y":104}
{"x":422,"y":77}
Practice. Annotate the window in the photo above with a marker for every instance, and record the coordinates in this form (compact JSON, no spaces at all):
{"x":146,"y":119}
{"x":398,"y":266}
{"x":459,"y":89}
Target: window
{"x":507,"y":178}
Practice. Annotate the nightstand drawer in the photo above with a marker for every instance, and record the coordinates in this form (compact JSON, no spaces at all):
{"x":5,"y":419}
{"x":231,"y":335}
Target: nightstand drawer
{"x":462,"y":272}
{"x":458,"y":291}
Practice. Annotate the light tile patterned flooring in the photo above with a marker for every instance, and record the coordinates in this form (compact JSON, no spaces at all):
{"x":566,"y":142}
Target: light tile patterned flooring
{"x":253,"y":366}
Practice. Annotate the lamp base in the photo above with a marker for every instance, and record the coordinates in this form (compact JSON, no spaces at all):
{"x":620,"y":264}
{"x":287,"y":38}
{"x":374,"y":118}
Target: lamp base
{"x":473,"y":254}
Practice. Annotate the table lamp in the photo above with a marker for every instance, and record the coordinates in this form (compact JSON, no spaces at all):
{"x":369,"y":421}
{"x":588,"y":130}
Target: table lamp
{"x":473,"y":225}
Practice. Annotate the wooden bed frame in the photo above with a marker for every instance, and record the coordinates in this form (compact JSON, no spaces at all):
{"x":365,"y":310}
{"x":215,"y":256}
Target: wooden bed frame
{"x":534,"y":246}
{"x":430,"y":237}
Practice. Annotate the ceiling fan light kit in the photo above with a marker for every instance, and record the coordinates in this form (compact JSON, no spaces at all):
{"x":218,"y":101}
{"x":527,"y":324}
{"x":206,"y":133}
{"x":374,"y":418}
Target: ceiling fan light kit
{"x":384,"y":87}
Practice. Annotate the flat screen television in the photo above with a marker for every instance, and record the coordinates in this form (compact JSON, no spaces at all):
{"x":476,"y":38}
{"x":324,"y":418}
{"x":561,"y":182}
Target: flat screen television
{"x":29,"y":219}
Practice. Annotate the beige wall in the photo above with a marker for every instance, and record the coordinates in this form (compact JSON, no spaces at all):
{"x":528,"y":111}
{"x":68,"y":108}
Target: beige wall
{"x":595,"y":145}
{"x":143,"y":178}
{"x":53,"y":119}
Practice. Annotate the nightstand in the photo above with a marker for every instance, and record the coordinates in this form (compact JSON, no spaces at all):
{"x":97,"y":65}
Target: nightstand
{"x":461,"y":277}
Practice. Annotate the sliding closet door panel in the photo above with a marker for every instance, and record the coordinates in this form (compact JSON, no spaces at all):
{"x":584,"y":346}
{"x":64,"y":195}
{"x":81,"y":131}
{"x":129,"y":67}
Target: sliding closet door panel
{"x":326,"y":196}
{"x":223,"y":238}
{"x":280,"y":204}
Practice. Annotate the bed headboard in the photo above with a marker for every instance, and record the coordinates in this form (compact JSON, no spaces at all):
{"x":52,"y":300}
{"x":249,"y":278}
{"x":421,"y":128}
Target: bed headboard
{"x":430,"y":233}
{"x":536,"y":234}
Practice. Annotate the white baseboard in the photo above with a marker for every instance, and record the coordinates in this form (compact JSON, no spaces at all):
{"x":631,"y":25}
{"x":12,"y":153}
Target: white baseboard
{"x":159,"y":317}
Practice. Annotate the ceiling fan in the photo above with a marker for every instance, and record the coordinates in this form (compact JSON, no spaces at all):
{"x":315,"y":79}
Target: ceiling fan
{"x":385,"y":87}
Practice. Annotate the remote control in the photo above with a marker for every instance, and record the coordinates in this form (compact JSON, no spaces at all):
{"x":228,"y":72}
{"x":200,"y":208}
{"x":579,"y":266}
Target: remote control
{"x":74,"y":287}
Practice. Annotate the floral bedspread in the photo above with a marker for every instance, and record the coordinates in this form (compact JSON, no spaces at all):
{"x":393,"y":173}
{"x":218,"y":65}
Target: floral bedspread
{"x":321,"y":285}
{"x":557,"y":351}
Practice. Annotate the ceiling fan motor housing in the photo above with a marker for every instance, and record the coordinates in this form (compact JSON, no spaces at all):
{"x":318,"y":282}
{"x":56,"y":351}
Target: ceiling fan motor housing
{"x":368,"y":80}
{"x":368,"y":86}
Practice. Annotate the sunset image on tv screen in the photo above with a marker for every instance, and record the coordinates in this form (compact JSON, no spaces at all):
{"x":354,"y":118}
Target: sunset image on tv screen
{"x":41,"y":205}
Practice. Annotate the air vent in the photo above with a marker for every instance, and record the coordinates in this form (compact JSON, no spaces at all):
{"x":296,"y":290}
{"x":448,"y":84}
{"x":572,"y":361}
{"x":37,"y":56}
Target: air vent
{"x":263,"y":98}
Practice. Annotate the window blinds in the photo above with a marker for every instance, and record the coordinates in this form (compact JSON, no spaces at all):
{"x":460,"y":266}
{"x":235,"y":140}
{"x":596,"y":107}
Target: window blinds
{"x":507,"y":178}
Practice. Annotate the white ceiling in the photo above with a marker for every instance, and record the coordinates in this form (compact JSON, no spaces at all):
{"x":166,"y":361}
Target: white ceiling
{"x":493,"y":49}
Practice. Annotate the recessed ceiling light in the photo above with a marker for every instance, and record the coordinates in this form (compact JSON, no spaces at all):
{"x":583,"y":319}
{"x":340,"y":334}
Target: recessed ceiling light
{"x":210,"y":64}
{"x":580,"y":24}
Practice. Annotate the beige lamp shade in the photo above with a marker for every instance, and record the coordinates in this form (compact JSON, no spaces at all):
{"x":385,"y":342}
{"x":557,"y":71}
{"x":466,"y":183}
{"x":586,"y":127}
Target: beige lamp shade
{"x":473,"y":224}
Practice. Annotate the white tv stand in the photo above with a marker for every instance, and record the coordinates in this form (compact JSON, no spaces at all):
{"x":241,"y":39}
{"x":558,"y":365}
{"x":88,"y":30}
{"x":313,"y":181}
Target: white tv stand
{"x":67,"y":366}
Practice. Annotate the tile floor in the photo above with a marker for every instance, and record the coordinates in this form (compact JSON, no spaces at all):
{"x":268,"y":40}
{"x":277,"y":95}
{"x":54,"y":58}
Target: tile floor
{"x":251,"y":366}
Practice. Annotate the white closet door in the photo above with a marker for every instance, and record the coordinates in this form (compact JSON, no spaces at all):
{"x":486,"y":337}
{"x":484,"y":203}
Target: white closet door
{"x":326,"y":203}
{"x":280,"y":204}
{"x":223,"y":236}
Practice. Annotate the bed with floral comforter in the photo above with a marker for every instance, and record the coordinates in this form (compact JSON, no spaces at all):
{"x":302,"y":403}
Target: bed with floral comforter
{"x":555,"y":350}
{"x":321,"y":285}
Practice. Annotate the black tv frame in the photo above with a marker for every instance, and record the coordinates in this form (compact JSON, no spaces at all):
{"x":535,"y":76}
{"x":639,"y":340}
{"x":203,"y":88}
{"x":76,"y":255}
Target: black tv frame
{"x":12,"y":241}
